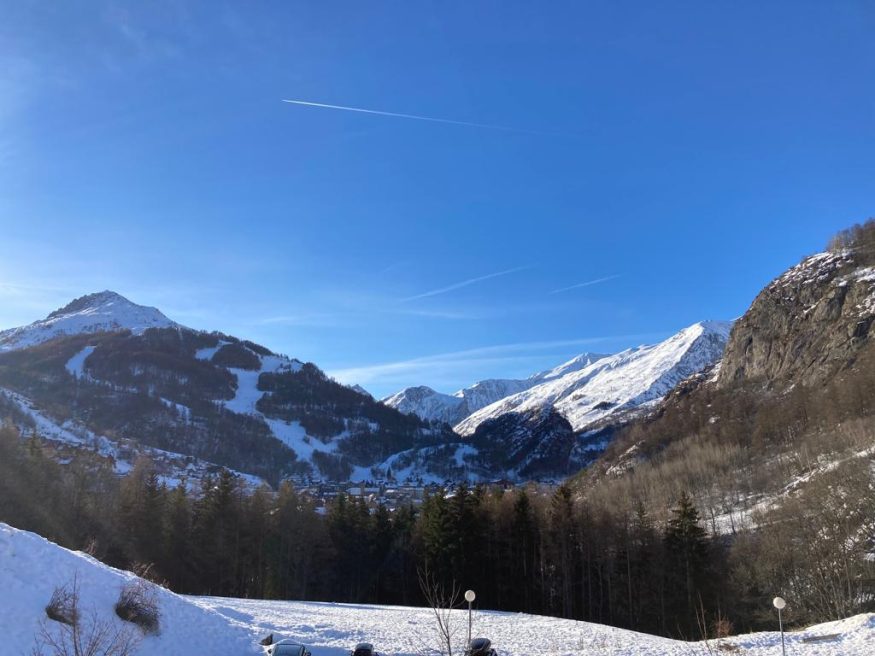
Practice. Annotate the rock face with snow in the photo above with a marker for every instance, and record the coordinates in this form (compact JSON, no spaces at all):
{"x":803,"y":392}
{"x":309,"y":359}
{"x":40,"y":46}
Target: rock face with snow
{"x":807,"y":323}
{"x":633,"y":378}
{"x":95,"y":313}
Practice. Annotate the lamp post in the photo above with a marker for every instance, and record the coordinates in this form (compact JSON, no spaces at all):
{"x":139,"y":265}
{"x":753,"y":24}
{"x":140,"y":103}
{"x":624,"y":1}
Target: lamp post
{"x":780,"y":604}
{"x":469,"y":597}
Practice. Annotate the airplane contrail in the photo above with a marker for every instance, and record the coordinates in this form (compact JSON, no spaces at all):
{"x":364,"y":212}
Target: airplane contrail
{"x":464,"y":283}
{"x":417,"y":117}
{"x":585,"y":284}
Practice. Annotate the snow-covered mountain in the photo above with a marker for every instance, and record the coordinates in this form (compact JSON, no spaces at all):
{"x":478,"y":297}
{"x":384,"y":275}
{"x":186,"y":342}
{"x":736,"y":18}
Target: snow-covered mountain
{"x":587,"y":394}
{"x":430,"y":405}
{"x":117,"y":379}
{"x":427,"y":404}
{"x":127,"y":379}
{"x":95,"y":313}
{"x":585,"y":390}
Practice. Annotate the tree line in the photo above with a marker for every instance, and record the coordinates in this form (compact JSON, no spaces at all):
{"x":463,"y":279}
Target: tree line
{"x":534,"y":550}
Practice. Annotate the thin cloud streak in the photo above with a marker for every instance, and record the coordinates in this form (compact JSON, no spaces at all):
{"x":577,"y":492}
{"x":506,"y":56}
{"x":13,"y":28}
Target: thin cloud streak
{"x":464,"y":283}
{"x":588,"y":283}
{"x":432,"y":119}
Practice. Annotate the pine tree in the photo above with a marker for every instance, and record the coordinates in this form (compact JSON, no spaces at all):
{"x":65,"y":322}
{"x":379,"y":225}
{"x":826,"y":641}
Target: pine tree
{"x":176,"y":564}
{"x":687,"y":554}
{"x":562,"y":537}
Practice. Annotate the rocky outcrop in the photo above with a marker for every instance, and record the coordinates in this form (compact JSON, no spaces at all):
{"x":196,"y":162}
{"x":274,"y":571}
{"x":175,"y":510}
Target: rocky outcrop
{"x":807,"y":324}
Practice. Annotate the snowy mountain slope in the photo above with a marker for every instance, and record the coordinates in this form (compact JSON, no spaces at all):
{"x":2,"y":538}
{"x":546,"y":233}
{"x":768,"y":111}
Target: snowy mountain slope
{"x":101,"y":312}
{"x":427,"y":404}
{"x":172,"y":468}
{"x":113,"y":368}
{"x":626,"y":380}
{"x":32,"y":567}
{"x":431,"y":405}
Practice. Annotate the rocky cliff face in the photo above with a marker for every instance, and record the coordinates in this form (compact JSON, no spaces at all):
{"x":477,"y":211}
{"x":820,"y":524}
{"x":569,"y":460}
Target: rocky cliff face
{"x":807,"y":324}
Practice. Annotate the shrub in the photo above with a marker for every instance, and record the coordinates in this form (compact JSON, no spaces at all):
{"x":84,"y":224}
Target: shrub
{"x":859,"y":238}
{"x":63,"y":607}
{"x":138,"y":604}
{"x":92,"y":637}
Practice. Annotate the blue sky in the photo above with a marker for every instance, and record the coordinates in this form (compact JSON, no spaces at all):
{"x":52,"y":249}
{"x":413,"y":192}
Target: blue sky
{"x":637,"y":167}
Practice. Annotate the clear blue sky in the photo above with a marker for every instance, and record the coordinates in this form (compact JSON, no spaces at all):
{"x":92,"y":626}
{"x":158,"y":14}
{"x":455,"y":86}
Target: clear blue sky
{"x":679,"y":154}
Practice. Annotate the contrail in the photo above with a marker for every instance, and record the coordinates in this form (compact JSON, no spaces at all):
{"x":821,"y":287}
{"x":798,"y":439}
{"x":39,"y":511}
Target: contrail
{"x":464,"y":283}
{"x":585,"y":284}
{"x":416,"y":117}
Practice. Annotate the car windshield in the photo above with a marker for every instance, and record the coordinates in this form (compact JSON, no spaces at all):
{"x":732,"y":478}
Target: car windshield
{"x":288,"y":650}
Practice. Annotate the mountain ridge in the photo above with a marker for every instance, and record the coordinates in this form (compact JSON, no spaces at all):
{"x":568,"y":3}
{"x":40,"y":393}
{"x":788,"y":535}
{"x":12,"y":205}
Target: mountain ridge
{"x":105,"y":311}
{"x":115,"y":368}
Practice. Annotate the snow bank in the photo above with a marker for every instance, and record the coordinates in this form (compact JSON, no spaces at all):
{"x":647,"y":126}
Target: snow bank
{"x":31,"y":567}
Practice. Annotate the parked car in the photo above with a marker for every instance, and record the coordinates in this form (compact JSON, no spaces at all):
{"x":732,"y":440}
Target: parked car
{"x":283,"y":647}
{"x":480,"y":647}
{"x":364,"y":649}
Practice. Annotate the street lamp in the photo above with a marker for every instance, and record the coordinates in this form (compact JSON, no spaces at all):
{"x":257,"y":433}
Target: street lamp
{"x":780,"y":604}
{"x":469,"y":597}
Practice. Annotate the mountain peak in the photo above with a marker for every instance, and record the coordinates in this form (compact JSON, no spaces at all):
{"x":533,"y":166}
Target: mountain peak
{"x":721,"y":328}
{"x":587,"y":393}
{"x":105,"y":311}
{"x":95,"y":301}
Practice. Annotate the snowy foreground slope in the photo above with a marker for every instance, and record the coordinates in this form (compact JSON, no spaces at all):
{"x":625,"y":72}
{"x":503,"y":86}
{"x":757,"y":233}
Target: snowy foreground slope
{"x":31,"y":567}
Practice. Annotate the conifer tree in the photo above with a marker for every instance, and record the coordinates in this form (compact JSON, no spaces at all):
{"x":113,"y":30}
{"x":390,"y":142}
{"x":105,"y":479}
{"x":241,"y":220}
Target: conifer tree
{"x":687,"y":553}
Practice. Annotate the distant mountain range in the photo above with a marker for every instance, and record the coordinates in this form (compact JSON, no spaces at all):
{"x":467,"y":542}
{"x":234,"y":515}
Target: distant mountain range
{"x":586,"y":390}
{"x":105,"y":375}
{"x":430,"y":405}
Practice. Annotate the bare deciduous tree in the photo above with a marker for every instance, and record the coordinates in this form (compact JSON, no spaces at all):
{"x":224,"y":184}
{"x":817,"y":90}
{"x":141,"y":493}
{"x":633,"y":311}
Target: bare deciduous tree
{"x":441,"y":599}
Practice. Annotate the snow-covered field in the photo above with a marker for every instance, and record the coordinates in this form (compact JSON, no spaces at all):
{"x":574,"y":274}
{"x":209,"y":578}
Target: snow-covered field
{"x":31,"y":567}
